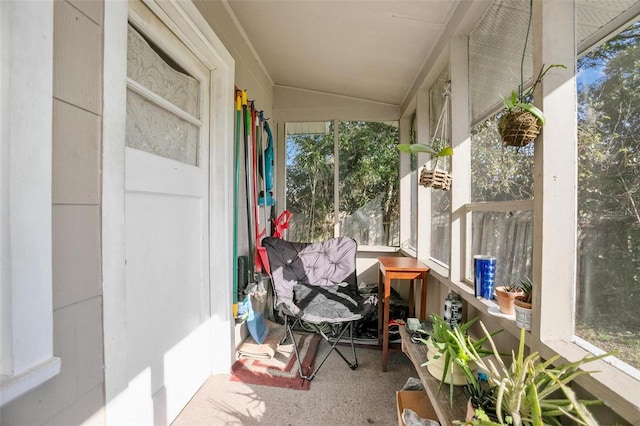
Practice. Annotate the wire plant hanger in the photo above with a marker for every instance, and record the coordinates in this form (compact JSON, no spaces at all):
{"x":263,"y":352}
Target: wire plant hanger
{"x":438,"y":178}
{"x":522,"y":121}
{"x":435,"y":178}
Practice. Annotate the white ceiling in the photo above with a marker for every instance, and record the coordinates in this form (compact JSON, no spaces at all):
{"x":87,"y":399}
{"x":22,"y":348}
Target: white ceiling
{"x":377,"y":49}
{"x":373,"y":50}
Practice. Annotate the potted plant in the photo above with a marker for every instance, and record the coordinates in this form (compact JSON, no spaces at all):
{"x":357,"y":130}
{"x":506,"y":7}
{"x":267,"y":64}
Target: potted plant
{"x":446,"y":359}
{"x":530,"y":390}
{"x":482,"y":400}
{"x":522,"y":304}
{"x":521,"y":121}
{"x":431,"y":177}
{"x":505,"y":296}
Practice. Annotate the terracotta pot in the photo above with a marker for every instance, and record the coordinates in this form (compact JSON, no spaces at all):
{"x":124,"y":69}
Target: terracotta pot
{"x":505,"y":300}
{"x":523,"y":314}
{"x":436,"y":368}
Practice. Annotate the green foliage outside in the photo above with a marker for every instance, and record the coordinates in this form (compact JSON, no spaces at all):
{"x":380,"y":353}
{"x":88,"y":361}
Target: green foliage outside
{"x":608,"y":191}
{"x":368,"y":179}
{"x":500,"y":173}
{"x":609,"y":197}
{"x":310,"y":187}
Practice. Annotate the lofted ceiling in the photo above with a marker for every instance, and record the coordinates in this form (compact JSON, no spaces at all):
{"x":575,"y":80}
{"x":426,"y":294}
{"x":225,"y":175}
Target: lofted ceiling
{"x":373,"y":50}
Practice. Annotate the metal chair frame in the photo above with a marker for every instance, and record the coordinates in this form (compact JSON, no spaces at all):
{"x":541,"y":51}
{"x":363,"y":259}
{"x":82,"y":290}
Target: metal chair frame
{"x":333,"y":345}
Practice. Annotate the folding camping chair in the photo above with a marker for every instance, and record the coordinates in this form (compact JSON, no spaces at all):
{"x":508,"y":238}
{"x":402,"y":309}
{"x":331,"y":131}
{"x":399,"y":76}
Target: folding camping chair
{"x":314,"y":285}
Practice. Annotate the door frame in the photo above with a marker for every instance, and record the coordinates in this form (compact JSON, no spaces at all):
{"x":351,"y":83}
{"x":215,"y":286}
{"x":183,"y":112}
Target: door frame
{"x":192,"y":29}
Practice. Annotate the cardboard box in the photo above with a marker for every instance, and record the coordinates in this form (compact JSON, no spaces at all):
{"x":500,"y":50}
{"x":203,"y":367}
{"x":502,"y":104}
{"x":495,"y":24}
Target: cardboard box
{"x":417,"y":401}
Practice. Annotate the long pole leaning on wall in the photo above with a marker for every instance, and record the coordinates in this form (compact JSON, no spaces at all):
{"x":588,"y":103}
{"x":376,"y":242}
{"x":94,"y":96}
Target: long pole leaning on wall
{"x":336,"y":176}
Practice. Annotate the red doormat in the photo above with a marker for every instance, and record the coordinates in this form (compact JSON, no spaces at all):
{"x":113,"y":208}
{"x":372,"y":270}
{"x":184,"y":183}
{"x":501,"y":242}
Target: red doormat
{"x":282,"y":369}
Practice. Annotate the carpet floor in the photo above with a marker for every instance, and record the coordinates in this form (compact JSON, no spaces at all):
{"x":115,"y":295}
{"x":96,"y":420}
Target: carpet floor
{"x":338,"y":396}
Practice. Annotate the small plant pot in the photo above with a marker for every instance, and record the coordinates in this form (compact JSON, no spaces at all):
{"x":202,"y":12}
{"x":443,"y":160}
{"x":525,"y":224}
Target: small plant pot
{"x":436,"y":368}
{"x":506,"y":300}
{"x":523,"y":314}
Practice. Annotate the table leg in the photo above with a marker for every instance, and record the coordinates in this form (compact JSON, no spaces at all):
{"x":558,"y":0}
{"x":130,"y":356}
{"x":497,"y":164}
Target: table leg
{"x":385,"y":324}
{"x":412,"y":299}
{"x":423,"y":297}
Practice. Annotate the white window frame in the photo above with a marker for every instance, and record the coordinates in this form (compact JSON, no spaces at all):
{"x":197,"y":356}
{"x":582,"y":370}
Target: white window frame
{"x":406,"y":191}
{"x":554,"y":206}
{"x":555,"y":212}
{"x":26,"y":87}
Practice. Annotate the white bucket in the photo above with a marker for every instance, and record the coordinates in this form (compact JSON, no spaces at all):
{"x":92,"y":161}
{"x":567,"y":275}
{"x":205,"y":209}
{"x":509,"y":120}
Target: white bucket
{"x":523,"y":317}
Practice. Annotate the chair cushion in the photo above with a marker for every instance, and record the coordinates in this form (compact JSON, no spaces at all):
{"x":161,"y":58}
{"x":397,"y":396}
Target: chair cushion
{"x":315,"y":281}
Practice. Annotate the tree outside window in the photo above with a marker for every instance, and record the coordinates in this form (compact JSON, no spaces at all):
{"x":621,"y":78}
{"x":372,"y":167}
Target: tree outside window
{"x":367,"y":184}
{"x":608,"y":292}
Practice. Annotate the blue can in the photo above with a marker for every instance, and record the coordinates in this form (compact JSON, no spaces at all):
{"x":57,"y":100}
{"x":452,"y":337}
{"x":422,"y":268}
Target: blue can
{"x":484,"y":276}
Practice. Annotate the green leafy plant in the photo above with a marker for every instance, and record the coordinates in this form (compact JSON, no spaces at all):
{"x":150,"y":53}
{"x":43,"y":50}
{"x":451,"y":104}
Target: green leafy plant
{"x":521,"y":121}
{"x":527,"y":290}
{"x":439,"y":145}
{"x":531,"y":391}
{"x":523,"y":99}
{"x":414,"y":148}
{"x":512,"y":288}
{"x":451,"y":343}
{"x":434,"y":151}
{"x":482,"y":397}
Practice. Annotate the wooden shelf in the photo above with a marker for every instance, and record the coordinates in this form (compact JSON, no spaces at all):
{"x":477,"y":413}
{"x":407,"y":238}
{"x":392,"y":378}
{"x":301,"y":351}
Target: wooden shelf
{"x":417,"y":353}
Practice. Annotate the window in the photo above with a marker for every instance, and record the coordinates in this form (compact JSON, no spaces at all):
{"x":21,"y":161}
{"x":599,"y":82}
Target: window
{"x":501,"y":179}
{"x":367,"y":182}
{"x":608,"y":292}
{"x":585,"y":246}
{"x":162,"y":118}
{"x":309,"y":165}
{"x":501,"y":211}
{"x":439,"y":112}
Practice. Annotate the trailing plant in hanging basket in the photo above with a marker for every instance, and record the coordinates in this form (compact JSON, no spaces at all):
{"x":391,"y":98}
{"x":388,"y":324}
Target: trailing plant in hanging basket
{"x":521,"y":121}
{"x":431,"y":177}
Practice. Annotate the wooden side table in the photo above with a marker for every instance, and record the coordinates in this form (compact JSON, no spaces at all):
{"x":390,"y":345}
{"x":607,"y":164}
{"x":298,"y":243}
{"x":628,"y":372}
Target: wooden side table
{"x":397,"y":268}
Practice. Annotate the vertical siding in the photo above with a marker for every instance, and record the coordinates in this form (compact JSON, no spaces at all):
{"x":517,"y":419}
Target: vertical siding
{"x":76,"y":395}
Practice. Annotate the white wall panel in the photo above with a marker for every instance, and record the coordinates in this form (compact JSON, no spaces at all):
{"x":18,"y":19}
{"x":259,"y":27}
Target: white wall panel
{"x":77,"y":76}
{"x":76,"y":254}
{"x":76,"y":155}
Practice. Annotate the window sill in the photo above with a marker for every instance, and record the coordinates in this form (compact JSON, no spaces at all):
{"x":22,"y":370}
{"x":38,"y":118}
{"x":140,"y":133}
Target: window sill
{"x":378,"y":249}
{"x":12,"y":387}
{"x":408,"y":252}
{"x":466,"y":292}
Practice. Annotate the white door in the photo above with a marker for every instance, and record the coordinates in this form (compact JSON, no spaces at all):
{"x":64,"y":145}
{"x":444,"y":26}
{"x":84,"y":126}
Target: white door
{"x":166,"y":221}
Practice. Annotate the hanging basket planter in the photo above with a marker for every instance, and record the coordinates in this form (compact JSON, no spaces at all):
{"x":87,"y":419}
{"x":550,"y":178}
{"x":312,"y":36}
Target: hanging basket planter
{"x":518,"y":127}
{"x":430,"y":175}
{"x":435,"y":178}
